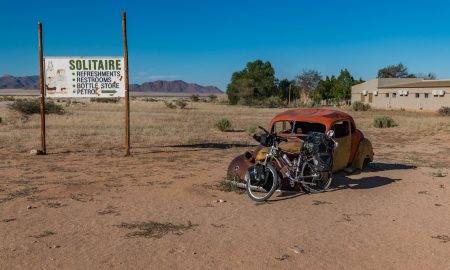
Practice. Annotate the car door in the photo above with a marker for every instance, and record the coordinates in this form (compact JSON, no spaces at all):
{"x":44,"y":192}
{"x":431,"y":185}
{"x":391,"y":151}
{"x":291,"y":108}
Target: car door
{"x":344,"y":139}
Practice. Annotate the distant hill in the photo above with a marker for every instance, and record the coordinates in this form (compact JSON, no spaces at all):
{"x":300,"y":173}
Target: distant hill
{"x":26,"y":82}
{"x":32,"y":83}
{"x":174,"y":87}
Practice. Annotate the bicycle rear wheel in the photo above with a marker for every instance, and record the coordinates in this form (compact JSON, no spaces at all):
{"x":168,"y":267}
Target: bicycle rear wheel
{"x":314,"y":181}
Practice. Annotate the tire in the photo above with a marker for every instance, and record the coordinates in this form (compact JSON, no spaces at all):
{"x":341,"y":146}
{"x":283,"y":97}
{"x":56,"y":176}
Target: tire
{"x":366,"y":164}
{"x":322,"y":182}
{"x":266,"y":189}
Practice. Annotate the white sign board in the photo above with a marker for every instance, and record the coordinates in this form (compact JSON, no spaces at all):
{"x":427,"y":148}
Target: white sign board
{"x":84,"y":77}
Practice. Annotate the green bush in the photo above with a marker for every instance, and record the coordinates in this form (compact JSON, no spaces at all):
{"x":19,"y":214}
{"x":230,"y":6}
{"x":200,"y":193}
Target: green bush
{"x":444,"y":111}
{"x":359,"y":106}
{"x":105,"y":100}
{"x":223,"y":124}
{"x":212,"y":98}
{"x":384,"y":122}
{"x":252,"y":130}
{"x":195,"y":98}
{"x":51,"y":107}
{"x":181,"y":103}
{"x":270,"y":102}
{"x":7,"y":98}
{"x":149,"y":100}
{"x":169,"y":104}
{"x":274,"y":102}
{"x":32,"y":106}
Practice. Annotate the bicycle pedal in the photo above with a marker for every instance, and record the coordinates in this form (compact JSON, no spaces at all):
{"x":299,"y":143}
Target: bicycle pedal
{"x":292,"y":183}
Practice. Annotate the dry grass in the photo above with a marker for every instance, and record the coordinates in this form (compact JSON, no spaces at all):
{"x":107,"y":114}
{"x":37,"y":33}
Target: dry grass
{"x":99,"y":127}
{"x":19,"y":193}
{"x":152,"y":229}
{"x":44,"y":234}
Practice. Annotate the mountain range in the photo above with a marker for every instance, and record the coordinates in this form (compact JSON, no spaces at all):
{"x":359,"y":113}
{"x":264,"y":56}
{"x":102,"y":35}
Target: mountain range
{"x":178,"y":86}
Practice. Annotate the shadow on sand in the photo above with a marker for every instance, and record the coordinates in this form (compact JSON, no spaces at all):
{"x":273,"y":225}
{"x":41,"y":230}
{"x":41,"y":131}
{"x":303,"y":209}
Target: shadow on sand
{"x":379,"y":167}
{"x":342,"y":181}
{"x":211,"y":145}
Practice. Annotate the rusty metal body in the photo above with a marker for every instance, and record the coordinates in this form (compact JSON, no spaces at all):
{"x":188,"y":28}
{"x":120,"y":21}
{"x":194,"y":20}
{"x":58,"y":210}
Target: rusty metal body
{"x":354,"y":150}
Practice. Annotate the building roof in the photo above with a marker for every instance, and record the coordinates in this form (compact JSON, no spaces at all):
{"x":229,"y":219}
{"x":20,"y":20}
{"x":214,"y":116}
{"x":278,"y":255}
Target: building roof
{"x":384,"y":83}
{"x":412,"y":83}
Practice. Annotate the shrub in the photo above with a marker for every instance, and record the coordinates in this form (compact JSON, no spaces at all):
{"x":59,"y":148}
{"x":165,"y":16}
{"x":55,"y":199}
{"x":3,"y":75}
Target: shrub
{"x":444,"y":111}
{"x":71,"y":102}
{"x":384,"y":122}
{"x":51,"y":107}
{"x":195,"y":98}
{"x":27,"y":107}
{"x":274,"y":102}
{"x":169,"y":104}
{"x":7,"y":98}
{"x":359,"y":106}
{"x":105,"y":100}
{"x":223,"y":124}
{"x":212,"y":98}
{"x":181,"y":103}
{"x":150,"y":100}
{"x":270,"y":102}
{"x":252,"y":130}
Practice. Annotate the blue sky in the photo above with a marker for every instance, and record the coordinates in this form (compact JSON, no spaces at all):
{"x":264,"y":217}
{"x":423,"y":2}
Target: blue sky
{"x":205,"y":41}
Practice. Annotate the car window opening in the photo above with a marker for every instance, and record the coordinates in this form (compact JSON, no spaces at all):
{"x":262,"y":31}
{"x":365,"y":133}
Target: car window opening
{"x":292,"y":127}
{"x":341,"y":129}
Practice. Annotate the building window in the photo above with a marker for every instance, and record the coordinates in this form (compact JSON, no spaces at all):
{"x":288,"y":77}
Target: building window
{"x":417,"y":95}
{"x":426,"y":95}
{"x":394,"y":95}
{"x":387,"y":94}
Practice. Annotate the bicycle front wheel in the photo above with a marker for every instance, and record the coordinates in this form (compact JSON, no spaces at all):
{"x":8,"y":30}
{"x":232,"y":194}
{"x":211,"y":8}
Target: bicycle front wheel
{"x":262,"y":181}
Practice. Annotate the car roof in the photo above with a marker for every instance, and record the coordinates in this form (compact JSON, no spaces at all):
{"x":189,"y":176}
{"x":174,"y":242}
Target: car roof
{"x":325,"y":116}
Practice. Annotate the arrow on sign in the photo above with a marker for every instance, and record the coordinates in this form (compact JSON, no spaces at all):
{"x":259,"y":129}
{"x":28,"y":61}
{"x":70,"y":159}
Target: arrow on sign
{"x":109,"y":91}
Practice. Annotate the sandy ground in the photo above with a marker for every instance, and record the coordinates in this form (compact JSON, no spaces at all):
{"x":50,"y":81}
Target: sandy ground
{"x":62,"y":211}
{"x":78,"y":207}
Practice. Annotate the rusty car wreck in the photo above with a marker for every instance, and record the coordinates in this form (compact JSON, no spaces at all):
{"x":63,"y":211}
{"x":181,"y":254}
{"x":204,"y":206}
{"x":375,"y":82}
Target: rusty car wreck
{"x":353,"y":152}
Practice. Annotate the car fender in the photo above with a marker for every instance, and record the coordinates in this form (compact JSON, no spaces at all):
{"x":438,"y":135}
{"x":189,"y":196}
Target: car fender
{"x":365,"y":151}
{"x":239,"y":165}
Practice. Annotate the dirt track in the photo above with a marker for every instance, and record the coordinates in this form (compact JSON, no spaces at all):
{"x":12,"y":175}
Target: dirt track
{"x":390,"y":217}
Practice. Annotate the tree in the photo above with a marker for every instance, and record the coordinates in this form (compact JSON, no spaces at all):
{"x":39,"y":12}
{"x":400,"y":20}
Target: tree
{"x":395,"y":71}
{"x":323,"y":90}
{"x":335,"y":88}
{"x":308,"y":81}
{"x":283,"y":89}
{"x":256,"y":81}
{"x":429,"y":76}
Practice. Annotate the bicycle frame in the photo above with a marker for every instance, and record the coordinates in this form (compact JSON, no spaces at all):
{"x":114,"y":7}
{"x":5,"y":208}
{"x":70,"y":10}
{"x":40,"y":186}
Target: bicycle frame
{"x":275,"y":153}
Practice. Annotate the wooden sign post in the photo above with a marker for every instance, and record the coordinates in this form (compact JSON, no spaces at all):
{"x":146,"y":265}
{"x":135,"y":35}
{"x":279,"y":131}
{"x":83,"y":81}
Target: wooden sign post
{"x":127,"y":93}
{"x":41,"y":85}
{"x":70,"y":80}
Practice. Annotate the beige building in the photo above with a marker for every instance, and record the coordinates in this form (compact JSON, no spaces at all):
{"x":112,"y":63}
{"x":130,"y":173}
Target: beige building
{"x":409,"y":94}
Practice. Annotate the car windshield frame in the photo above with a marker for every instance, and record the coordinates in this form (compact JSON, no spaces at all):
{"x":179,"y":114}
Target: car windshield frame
{"x":294,"y":123}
